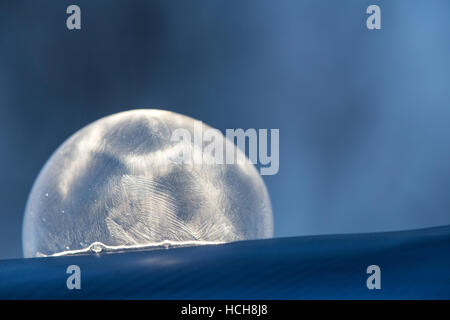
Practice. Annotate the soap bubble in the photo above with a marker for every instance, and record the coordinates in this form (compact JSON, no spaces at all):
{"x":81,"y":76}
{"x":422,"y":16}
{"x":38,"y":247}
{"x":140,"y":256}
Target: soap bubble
{"x":118,"y":184}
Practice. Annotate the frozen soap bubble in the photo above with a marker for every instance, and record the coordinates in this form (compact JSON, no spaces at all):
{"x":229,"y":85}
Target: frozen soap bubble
{"x":119,"y":183}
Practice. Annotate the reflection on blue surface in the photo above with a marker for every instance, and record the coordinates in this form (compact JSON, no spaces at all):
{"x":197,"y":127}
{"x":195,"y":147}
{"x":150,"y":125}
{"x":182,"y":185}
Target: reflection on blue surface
{"x":414,"y":264}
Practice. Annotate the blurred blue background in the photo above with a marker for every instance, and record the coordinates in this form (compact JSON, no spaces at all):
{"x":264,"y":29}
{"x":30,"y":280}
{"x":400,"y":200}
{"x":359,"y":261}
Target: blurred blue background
{"x":363,"y":115}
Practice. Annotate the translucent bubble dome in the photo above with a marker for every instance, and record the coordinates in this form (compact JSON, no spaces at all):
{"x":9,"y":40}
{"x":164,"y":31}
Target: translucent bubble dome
{"x":119,"y":183}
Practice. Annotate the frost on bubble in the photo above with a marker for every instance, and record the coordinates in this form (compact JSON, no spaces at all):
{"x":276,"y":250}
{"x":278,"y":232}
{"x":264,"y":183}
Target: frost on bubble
{"x":118,"y":183}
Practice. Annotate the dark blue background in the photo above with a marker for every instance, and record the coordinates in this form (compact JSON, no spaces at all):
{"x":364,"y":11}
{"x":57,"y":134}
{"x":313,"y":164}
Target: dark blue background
{"x":363,"y":115}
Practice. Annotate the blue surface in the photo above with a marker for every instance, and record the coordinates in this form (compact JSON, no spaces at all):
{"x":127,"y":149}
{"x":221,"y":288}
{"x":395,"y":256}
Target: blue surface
{"x":414,"y":265}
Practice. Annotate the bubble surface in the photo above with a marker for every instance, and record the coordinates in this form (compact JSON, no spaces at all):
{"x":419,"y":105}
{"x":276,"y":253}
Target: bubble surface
{"x":118,"y":183}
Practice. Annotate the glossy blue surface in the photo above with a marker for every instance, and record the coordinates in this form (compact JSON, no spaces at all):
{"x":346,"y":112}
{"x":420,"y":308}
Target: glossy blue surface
{"x":414,"y":265}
